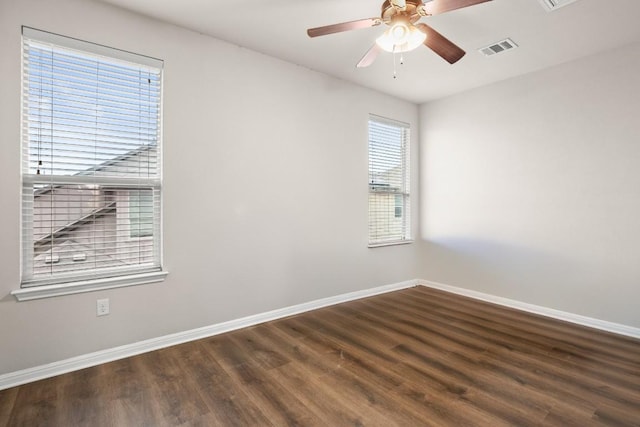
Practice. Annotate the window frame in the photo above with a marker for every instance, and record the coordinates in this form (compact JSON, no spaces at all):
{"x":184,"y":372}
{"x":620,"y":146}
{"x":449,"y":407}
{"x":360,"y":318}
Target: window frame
{"x":379,"y":189}
{"x":91,"y":279}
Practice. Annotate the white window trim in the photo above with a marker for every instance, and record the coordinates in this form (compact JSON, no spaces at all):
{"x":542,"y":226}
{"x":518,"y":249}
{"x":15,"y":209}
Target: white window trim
{"x":91,"y":285}
{"x":391,"y":243}
{"x":48,"y":291}
{"x":97,"y":49}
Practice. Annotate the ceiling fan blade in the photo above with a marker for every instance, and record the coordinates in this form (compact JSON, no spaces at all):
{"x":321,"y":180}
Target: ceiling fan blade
{"x":344,"y":26}
{"x":436,"y":7}
{"x":370,"y":56}
{"x":441,"y":45}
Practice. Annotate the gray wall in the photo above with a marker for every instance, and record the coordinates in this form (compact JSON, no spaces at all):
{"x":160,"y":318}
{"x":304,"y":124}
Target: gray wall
{"x":531,"y":188}
{"x":265,"y":178}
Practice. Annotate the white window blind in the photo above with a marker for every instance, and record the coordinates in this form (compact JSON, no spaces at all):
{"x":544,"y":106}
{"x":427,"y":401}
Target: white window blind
{"x":91,"y":168}
{"x":389,"y":185}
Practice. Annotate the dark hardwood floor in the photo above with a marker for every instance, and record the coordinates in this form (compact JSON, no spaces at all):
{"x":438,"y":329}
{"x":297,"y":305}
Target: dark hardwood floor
{"x":416,"y":357}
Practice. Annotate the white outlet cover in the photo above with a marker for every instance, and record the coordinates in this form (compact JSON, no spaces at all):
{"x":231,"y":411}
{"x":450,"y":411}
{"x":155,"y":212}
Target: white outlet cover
{"x":102,"y":307}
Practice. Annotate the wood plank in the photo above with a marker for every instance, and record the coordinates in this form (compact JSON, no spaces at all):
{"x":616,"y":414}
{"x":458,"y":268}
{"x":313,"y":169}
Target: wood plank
{"x":487,"y":388}
{"x":458,"y":390}
{"x":516,"y":360}
{"x":552,"y":327}
{"x":7,"y":402}
{"x":590,"y":360}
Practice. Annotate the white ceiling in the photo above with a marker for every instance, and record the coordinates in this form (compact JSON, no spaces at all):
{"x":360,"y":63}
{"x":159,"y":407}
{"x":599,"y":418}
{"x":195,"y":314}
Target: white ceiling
{"x":278,"y":28}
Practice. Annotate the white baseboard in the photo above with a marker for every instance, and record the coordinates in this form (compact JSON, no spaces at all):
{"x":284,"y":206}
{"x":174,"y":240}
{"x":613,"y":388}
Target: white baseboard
{"x":616,"y":328}
{"x":24,"y":376}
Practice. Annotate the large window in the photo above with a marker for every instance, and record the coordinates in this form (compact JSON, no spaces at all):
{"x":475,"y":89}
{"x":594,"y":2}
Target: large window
{"x":389,"y":185}
{"x":91,"y":169}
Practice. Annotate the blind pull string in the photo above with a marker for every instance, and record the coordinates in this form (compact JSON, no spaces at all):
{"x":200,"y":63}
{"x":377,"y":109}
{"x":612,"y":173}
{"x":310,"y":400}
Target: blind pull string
{"x":40,"y":126}
{"x":51,"y":199}
{"x":394,"y":62}
{"x":96,"y":194}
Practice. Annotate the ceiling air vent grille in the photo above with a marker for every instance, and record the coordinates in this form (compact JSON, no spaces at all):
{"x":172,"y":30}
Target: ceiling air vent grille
{"x":499,"y":47}
{"x":550,"y":5}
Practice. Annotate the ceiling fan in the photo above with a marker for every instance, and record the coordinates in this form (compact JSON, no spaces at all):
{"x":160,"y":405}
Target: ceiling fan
{"x":402,"y":35}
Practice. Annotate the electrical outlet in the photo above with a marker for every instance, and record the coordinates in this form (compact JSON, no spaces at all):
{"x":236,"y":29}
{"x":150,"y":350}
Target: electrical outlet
{"x":102,"y":307}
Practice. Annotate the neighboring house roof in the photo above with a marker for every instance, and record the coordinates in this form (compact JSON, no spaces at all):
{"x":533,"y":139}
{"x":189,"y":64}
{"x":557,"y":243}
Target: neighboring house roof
{"x":101,"y":167}
{"x":44,"y":243}
{"x":120,"y":159}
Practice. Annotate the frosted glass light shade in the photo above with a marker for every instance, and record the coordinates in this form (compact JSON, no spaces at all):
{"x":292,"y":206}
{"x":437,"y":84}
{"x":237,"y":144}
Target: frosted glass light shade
{"x":401,"y":37}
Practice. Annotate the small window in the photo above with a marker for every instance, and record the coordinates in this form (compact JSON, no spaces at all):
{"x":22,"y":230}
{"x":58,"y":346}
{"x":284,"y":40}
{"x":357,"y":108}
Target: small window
{"x":90,"y":163}
{"x":389,"y":185}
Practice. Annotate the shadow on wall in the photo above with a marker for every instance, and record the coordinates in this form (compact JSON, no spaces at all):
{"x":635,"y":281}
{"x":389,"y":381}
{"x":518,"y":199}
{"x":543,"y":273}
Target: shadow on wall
{"x":510,"y":271}
{"x":576,"y":285}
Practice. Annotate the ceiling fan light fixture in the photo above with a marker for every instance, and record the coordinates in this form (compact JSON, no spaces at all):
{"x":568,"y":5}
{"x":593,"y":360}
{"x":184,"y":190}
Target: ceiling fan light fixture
{"x":401,"y":37}
{"x":404,"y":32}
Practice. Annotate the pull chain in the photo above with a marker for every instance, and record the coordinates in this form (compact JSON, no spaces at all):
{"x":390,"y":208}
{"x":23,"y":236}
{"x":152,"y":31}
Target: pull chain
{"x":395,"y":73}
{"x":394,"y":63}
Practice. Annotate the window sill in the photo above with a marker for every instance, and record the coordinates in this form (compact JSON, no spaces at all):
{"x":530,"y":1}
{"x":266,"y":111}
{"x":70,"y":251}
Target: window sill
{"x":48,"y":291}
{"x":393,"y":243}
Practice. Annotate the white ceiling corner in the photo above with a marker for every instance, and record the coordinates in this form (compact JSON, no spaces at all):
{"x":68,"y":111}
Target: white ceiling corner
{"x":279,"y":28}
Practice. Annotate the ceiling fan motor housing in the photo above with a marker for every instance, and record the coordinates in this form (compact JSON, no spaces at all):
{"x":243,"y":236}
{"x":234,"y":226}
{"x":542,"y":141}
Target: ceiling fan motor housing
{"x":412,"y":11}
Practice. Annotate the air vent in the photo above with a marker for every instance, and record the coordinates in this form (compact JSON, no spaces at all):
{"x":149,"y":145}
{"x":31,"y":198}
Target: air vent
{"x":499,"y":47}
{"x":550,"y":5}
